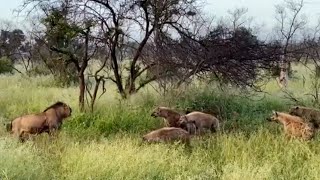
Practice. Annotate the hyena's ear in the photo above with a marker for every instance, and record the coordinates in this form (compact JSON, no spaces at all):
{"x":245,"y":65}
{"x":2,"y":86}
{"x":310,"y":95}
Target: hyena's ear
{"x":275,"y":112}
{"x":187,"y":111}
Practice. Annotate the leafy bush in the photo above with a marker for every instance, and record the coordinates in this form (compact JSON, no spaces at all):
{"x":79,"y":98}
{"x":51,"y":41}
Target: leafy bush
{"x":65,"y":75}
{"x":6,"y":66}
{"x":61,"y":77}
{"x":274,"y":71}
{"x":39,"y":70}
{"x":107,"y":143}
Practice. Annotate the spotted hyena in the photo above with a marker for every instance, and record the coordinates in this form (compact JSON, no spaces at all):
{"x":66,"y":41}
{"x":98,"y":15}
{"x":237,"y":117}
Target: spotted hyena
{"x":294,"y":126}
{"x":170,"y":116}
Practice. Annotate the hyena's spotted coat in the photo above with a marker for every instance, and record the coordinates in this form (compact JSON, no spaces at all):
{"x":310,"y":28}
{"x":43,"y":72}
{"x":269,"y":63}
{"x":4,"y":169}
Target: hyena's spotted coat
{"x":294,"y":126}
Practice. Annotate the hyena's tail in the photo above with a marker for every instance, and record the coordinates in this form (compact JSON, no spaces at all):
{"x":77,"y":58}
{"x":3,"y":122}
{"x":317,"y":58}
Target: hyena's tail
{"x":215,"y":126}
{"x":314,"y":124}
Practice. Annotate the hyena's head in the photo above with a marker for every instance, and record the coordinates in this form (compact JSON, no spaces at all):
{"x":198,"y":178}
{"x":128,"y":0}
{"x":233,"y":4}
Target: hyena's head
{"x":159,"y":112}
{"x":155,"y":112}
{"x":296,"y":111}
{"x":188,"y":125}
{"x":183,"y":121}
{"x":274,"y":116}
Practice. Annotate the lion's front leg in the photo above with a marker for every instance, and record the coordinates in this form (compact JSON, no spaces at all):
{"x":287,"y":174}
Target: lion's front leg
{"x":53,"y":131}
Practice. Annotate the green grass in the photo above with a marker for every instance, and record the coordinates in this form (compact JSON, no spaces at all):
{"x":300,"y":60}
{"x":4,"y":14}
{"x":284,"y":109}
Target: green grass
{"x":107,"y":144}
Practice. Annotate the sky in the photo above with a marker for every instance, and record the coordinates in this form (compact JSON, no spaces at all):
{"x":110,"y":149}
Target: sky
{"x":263,"y":11}
{"x":6,"y":8}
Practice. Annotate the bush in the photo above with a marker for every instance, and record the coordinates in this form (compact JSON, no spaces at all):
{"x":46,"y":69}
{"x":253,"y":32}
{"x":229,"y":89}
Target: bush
{"x":39,"y":70}
{"x":65,"y":75}
{"x":61,"y":77}
{"x":65,"y":79}
{"x":275,"y":71}
{"x":6,"y":65}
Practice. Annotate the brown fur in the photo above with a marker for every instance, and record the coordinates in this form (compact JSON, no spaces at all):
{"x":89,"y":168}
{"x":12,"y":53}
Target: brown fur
{"x":189,"y":126}
{"x":9,"y":126}
{"x":47,"y":121}
{"x":170,"y":116}
{"x":308,"y":114}
{"x":294,"y":126}
{"x":202,"y":121}
{"x":168,"y":134}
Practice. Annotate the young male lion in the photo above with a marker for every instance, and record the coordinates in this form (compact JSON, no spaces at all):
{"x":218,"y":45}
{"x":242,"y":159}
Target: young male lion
{"x":294,"y":126}
{"x":308,"y":114}
{"x":201,"y":120}
{"x":170,"y":116}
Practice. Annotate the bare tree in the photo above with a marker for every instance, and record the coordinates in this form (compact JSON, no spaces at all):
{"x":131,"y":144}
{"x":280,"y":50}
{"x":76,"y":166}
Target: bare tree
{"x":311,"y":44}
{"x":98,"y":79}
{"x":238,"y":18}
{"x":290,"y":21}
{"x":118,"y":19}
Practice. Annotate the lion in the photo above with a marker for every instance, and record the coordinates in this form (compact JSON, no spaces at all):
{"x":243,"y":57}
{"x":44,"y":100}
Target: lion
{"x":170,"y":116}
{"x":47,"y":121}
{"x":168,"y":134}
{"x":308,"y":114}
{"x":294,"y":126}
{"x":201,"y":120}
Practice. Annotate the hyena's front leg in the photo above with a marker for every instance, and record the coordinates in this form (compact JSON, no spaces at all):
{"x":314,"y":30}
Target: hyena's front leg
{"x":287,"y":136}
{"x":308,"y":134}
{"x":166,"y":122}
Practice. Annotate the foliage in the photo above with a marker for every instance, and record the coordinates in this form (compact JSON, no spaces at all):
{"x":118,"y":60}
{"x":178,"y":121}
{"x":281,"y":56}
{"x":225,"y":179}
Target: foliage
{"x":6,"y":65}
{"x":107,"y":143}
{"x":11,"y":42}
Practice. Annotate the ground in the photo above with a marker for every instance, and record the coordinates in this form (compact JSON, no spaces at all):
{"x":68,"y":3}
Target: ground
{"x":107,"y":144}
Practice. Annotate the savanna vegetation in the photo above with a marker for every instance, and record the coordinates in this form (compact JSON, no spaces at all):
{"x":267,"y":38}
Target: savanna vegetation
{"x":107,"y":144}
{"x":90,"y":55}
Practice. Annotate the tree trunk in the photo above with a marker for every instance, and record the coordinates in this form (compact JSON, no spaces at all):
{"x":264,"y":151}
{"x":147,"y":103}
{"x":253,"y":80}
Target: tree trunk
{"x":283,"y":78}
{"x":130,"y":87}
{"x":82,"y":91}
{"x":95,"y":92}
{"x":317,"y":71}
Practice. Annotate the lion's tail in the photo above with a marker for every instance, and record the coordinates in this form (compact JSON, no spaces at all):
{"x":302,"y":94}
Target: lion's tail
{"x":9,"y":126}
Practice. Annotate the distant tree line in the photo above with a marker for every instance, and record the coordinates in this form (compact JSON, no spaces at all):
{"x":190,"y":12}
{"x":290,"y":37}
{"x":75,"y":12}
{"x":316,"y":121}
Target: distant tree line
{"x":135,"y":43}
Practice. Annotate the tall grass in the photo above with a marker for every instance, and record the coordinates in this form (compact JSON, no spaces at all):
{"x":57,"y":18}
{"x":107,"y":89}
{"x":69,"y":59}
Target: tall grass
{"x":107,"y":144}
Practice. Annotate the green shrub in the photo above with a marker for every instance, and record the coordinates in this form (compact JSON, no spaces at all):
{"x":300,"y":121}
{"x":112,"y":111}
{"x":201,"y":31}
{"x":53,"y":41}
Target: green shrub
{"x":275,"y":71}
{"x":6,"y":65}
{"x":61,"y":77}
{"x":39,"y":70}
{"x":107,"y":144}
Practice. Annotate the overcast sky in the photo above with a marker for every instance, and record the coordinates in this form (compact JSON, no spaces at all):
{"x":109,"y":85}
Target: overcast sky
{"x":262,"y":10}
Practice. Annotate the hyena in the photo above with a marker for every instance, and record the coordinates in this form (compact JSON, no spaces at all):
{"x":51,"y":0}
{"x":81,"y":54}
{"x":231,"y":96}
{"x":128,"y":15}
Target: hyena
{"x":294,"y":126}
